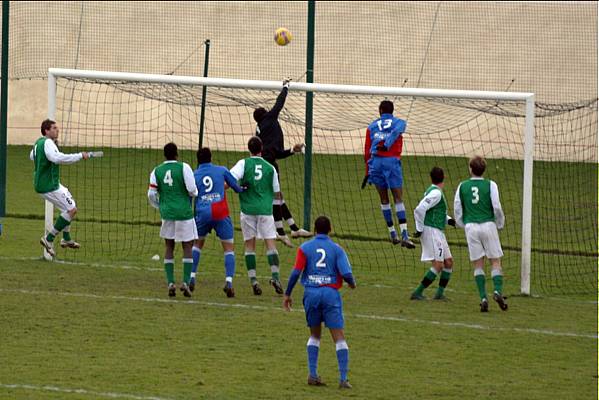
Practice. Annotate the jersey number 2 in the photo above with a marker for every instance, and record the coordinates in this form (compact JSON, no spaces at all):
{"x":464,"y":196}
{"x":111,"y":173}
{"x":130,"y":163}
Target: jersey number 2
{"x":167,"y":178}
{"x":323,"y":254}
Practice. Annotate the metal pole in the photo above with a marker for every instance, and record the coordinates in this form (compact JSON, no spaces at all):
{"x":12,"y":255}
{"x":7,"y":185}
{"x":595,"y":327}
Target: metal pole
{"x":3,"y":108}
{"x":204,"y":89}
{"x":309,"y":115}
{"x":529,"y":148}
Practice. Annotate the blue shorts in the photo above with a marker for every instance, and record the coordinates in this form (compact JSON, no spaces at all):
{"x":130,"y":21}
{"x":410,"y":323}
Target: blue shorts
{"x":323,"y":304}
{"x":223,"y":228}
{"x":385,"y":172}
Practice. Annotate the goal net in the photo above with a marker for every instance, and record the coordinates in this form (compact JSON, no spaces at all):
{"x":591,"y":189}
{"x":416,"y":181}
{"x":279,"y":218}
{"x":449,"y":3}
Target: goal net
{"x":131,"y":116}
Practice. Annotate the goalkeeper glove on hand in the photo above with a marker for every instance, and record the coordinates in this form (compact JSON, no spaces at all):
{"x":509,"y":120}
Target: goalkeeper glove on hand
{"x":417,"y":234}
{"x":286,"y":82}
{"x":451,"y":222}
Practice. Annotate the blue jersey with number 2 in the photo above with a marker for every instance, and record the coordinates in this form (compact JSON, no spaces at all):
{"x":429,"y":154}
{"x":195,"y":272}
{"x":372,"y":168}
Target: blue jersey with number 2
{"x":322,"y":262}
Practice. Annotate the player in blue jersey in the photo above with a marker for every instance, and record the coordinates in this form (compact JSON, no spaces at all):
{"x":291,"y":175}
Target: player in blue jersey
{"x":212,"y":212}
{"x":323,"y":266}
{"x":382,"y":154}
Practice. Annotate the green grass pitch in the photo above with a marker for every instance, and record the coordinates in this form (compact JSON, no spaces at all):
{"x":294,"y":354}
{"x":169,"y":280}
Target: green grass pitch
{"x":97,"y":326}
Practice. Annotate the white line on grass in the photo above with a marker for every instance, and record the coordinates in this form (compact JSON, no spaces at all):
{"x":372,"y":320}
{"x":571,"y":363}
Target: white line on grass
{"x":84,"y":392}
{"x":203,"y":273}
{"x":255,"y":307}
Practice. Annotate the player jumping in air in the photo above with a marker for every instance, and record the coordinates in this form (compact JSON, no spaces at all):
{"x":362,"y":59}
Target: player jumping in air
{"x":270,"y":132}
{"x":430,"y":217}
{"x":257,"y":222}
{"x":212,"y":212}
{"x":171,"y":185}
{"x":477,"y":208}
{"x":46,"y":181}
{"x":323,"y":266}
{"x":382,"y":154}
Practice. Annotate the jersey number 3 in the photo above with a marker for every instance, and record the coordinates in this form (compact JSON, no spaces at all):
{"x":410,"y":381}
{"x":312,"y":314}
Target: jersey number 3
{"x":320,"y":263}
{"x":475,"y":197}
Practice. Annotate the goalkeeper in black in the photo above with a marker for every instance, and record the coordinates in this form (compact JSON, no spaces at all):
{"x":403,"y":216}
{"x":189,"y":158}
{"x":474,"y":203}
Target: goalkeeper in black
{"x":269,"y":131}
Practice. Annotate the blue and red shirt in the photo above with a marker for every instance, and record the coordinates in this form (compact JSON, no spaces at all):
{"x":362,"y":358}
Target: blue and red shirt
{"x":211,"y":203}
{"x":386,"y":130}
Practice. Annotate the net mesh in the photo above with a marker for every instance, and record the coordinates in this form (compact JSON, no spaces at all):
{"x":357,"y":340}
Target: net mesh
{"x":131,"y":122}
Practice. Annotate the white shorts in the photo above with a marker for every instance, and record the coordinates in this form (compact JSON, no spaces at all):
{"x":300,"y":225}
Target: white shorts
{"x":61,"y":198}
{"x":180,"y":231}
{"x":434,"y":245}
{"x":483,"y":240}
{"x":258,"y":226}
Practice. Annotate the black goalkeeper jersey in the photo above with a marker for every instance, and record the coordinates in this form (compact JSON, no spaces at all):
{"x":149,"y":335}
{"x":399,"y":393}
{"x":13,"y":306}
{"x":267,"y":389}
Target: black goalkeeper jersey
{"x":270,"y":132}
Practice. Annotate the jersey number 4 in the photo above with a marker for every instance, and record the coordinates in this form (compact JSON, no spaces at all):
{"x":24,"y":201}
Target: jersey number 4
{"x":168,"y":179}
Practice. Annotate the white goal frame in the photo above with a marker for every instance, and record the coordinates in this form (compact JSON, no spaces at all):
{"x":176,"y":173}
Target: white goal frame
{"x":526,"y":98}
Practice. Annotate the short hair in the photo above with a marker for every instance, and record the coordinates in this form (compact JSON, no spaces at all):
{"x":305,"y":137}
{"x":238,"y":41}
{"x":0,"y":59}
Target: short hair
{"x":204,"y":155}
{"x":437,"y":175}
{"x":255,"y":145}
{"x":386,"y":107}
{"x":478,"y":165}
{"x":322,"y":225}
{"x":259,"y":114}
{"x":170,"y":151}
{"x":46,"y":126}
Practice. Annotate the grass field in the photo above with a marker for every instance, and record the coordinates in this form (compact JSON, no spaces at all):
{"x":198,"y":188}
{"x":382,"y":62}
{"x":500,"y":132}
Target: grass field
{"x":99,"y":325}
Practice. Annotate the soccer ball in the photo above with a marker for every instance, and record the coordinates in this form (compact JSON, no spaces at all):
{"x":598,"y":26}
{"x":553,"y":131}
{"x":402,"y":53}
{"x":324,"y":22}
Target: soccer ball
{"x":283,"y":36}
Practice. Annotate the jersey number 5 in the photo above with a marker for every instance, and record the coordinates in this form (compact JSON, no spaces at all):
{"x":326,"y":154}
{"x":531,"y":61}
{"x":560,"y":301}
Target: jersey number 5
{"x":258,"y":171}
{"x":475,"y":197}
{"x":323,"y":254}
{"x":167,"y":178}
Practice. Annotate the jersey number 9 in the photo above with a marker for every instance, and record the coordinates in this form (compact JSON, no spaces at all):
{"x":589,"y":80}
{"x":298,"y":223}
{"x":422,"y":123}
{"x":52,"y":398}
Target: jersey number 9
{"x":207,"y":181}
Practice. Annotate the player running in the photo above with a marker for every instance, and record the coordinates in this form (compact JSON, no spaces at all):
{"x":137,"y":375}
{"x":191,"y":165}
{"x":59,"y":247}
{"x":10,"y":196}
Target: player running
{"x":477,"y":208}
{"x":257,"y":222}
{"x":431,"y":217}
{"x":323,"y":266}
{"x":171,"y":186}
{"x":46,"y":181}
{"x":269,"y":131}
{"x":382,"y":154}
{"x":212,"y":212}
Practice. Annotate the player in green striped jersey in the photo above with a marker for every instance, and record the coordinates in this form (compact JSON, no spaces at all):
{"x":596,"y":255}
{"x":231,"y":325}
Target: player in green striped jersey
{"x":172,"y":185}
{"x":257,"y":221}
{"x":431,"y":217}
{"x":478,"y":209}
{"x":46,"y":182}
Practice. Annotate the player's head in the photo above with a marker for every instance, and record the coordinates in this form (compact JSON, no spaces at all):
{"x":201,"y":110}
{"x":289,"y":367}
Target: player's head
{"x":386,"y":107}
{"x":437,"y":176}
{"x":49,"y":129}
{"x":259,"y":114}
{"x":478,"y":165}
{"x":170,"y":151}
{"x":255,"y":145}
{"x":204,"y":155}
{"x":322,"y":225}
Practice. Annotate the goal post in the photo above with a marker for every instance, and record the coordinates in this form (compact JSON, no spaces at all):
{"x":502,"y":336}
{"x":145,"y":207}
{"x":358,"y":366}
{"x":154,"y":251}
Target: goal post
{"x":526,"y":100}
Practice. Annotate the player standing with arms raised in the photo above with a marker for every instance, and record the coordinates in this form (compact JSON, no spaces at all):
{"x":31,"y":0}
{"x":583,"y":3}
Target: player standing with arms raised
{"x":257,"y":222}
{"x":270,"y":132}
{"x":430,"y":217}
{"x":477,"y":208}
{"x":323,"y":266}
{"x":46,"y":182}
{"x":212,"y":212}
{"x":382,"y":154}
{"x":171,"y":185}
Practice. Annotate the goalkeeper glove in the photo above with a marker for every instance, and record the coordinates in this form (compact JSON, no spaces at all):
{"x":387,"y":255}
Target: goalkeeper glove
{"x":417,"y":234}
{"x":286,"y":82}
{"x":451,"y":222}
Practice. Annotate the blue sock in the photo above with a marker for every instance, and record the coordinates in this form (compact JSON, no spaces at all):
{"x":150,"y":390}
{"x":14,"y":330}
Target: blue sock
{"x":400,"y":211}
{"x":313,"y":347}
{"x":195,"y":255}
{"x":229,"y":265}
{"x":342,"y":359}
{"x":386,"y":209}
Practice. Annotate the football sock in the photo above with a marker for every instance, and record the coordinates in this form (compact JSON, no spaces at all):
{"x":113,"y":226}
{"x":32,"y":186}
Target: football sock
{"x":497,"y":280}
{"x":61,"y":223}
{"x":386,"y":209}
{"x":277,"y":214}
{"x":288,"y":217}
{"x":479,"y":277}
{"x":443,"y":280}
{"x":169,"y":269}
{"x":342,"y":359}
{"x":187,"y":265}
{"x":430,"y":276}
{"x":250,"y":264}
{"x":66,"y":233}
{"x":195,"y":256}
{"x":400,"y":211}
{"x":273,"y":261}
{"x":313,"y":347}
{"x":229,"y":265}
